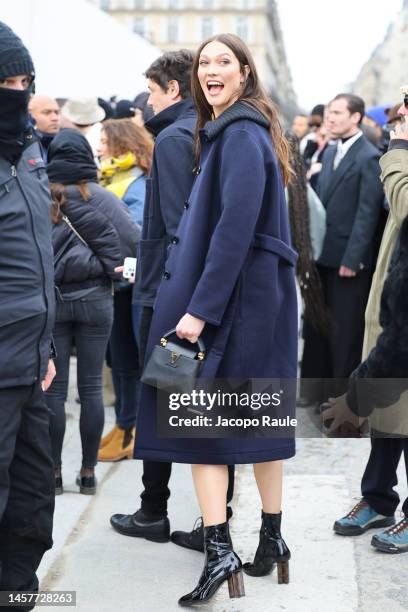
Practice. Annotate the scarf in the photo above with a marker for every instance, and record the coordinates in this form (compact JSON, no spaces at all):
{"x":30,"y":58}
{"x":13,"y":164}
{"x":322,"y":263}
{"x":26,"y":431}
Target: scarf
{"x":118,"y":173}
{"x":13,"y":122}
{"x":109,"y":167}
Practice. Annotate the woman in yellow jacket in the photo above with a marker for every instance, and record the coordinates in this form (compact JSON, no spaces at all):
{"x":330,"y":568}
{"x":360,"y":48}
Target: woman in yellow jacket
{"x":125,"y":152}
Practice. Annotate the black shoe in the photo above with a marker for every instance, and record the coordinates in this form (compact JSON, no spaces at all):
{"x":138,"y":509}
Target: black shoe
{"x":221,"y":563}
{"x":59,"y":489}
{"x":86,"y":484}
{"x":138,"y":525}
{"x":194,"y":540}
{"x":271,"y":549}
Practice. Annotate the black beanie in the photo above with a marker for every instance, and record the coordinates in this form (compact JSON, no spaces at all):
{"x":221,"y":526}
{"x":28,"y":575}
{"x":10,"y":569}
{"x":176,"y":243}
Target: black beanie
{"x":70,"y":158}
{"x":14,"y":56}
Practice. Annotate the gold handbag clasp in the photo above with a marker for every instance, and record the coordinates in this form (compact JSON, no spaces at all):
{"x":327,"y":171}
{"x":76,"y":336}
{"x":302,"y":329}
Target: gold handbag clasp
{"x":174,"y":356}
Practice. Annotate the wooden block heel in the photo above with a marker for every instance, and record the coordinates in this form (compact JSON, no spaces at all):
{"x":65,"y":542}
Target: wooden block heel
{"x":236,"y":584}
{"x":283,"y":573}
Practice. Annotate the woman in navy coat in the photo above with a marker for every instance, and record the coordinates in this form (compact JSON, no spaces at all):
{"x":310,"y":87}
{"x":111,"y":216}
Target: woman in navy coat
{"x":229,"y":279}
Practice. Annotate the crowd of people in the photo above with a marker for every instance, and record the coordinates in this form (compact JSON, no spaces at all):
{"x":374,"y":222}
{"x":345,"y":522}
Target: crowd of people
{"x":240,"y":235}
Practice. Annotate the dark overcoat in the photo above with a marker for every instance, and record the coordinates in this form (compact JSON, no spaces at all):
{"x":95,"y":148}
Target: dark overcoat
{"x":353,"y":196}
{"x":231,"y":265}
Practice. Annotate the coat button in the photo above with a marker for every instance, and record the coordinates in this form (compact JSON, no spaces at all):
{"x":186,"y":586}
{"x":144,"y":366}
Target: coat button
{"x":166,"y":275}
{"x":175,"y":240}
{"x":186,"y":204}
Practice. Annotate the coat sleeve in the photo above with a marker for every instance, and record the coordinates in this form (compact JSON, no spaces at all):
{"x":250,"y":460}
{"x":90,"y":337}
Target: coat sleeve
{"x":242,"y":180}
{"x":381,"y":379}
{"x":371,"y":197}
{"x":174,"y":157}
{"x":394,"y":165}
{"x":98,"y":232}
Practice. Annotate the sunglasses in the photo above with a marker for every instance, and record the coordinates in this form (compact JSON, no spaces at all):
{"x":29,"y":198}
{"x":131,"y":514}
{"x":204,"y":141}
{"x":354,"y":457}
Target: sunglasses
{"x":406,"y":100}
{"x":318,"y":125}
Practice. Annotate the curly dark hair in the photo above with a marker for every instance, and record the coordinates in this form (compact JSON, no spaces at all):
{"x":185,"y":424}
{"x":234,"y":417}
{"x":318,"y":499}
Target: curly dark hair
{"x":173,"y":66}
{"x":309,"y":279}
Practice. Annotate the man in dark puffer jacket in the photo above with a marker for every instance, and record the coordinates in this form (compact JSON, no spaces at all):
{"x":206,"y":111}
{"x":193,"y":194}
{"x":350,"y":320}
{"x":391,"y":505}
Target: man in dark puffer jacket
{"x":26,"y":320}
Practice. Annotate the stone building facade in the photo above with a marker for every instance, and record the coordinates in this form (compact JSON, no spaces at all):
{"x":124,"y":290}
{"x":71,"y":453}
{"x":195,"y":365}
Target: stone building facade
{"x":381,"y":77}
{"x":173,"y":24}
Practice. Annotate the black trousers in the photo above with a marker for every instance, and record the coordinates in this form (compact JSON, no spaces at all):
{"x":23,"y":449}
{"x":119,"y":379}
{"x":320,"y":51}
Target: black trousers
{"x":380,"y":476}
{"x":26,"y":486}
{"x":329,"y":360}
{"x":124,"y":360}
{"x":156,"y":474}
{"x":87,"y":320}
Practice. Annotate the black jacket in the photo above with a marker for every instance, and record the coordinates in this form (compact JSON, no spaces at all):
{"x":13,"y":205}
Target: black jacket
{"x":353,"y":196}
{"x":167,"y":190}
{"x":379,"y":381}
{"x":27,"y":306}
{"x":105,"y":225}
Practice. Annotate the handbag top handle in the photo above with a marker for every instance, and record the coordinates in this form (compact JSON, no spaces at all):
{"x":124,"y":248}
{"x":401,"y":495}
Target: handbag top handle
{"x":200,"y":343}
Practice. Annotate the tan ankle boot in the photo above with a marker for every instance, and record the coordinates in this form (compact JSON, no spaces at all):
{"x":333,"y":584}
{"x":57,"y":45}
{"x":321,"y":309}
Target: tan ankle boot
{"x":120,"y":446}
{"x":109,"y":436}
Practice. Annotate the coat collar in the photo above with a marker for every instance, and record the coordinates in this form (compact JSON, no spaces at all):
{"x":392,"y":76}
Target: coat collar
{"x":181,"y":110}
{"x":236,"y":112}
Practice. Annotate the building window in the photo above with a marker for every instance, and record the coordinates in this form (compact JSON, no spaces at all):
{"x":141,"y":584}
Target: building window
{"x":105,"y":5}
{"x":172,"y":30}
{"x":208,"y":4}
{"x":242,"y":28}
{"x":138,"y":5}
{"x":173,"y":4}
{"x":207,"y":27}
{"x":139,"y":26}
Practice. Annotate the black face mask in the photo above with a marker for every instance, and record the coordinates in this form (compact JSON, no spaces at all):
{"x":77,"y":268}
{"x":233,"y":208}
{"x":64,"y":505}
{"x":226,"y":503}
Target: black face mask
{"x":13,"y":121}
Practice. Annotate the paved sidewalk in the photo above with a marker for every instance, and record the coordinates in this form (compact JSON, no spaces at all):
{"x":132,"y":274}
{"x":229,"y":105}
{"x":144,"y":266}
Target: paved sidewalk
{"x":111,"y":572}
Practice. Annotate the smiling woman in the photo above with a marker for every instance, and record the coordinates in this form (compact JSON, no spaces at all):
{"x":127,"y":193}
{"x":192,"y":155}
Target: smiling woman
{"x":220,"y":76}
{"x":229,"y":279}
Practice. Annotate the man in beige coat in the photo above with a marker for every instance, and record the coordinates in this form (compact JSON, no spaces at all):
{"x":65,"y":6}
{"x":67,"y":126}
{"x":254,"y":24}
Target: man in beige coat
{"x":379,"y":500}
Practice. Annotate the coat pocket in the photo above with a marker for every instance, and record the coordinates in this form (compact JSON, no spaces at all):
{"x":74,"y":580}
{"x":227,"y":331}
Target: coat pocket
{"x":19,"y":308}
{"x":152,"y":256}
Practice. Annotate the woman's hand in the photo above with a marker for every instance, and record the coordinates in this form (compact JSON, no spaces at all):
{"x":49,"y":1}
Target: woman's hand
{"x":189,"y":328}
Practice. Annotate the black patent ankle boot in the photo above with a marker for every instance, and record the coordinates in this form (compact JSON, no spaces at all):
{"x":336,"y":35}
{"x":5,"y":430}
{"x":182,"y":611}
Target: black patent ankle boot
{"x":271,"y":550}
{"x":221,"y":563}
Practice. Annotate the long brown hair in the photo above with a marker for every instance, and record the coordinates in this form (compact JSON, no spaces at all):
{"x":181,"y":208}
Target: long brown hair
{"x":309,"y":280}
{"x":58,"y":198}
{"x":124,"y":136}
{"x":253,"y":94}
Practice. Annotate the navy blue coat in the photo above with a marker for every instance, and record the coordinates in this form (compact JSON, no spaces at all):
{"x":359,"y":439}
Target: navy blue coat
{"x":167,"y":187}
{"x":231,"y":265}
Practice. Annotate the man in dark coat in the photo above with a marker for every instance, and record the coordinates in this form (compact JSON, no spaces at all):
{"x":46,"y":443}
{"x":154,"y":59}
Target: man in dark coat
{"x":167,"y":192}
{"x":26,"y":320}
{"x":350,"y":189}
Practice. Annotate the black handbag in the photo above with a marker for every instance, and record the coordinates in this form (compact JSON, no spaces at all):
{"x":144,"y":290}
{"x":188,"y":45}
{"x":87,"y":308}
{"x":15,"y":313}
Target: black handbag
{"x":174,"y":367}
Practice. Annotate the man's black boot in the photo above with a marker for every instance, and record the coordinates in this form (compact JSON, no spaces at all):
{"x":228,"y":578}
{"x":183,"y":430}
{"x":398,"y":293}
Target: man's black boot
{"x":194,"y":539}
{"x":138,"y":525}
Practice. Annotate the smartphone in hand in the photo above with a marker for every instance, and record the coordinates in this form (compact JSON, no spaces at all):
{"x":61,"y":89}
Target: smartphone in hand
{"x":129,"y":269}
